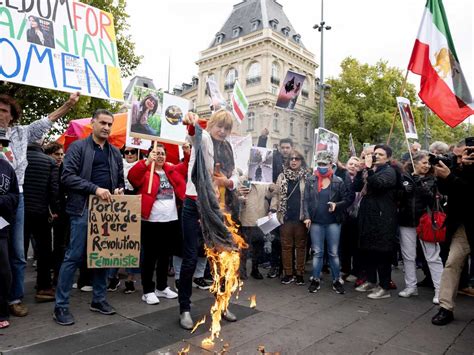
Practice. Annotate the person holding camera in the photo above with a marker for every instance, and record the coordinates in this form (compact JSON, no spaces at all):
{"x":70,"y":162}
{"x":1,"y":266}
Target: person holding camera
{"x":459,"y":187}
{"x":419,"y":194}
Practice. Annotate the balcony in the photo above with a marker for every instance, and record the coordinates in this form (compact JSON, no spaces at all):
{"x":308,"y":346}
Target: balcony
{"x":254,"y":80}
{"x":275,"y":81}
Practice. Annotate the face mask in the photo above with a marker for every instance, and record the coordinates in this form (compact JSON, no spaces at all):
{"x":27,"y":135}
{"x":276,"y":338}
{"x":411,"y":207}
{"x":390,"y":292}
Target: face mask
{"x":323,"y":170}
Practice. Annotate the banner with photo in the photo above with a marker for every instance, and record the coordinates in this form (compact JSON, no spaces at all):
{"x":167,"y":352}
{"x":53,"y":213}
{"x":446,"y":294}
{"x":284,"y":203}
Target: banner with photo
{"x":68,"y":47}
{"x":156,"y":116}
{"x":408,"y":120}
{"x":326,"y":140}
{"x":260,"y":166}
{"x":290,"y":90}
{"x":215,"y":96}
{"x":241,"y":147}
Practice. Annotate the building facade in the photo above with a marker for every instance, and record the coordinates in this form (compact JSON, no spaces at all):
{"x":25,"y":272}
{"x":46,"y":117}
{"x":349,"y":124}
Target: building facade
{"x":257,"y":46}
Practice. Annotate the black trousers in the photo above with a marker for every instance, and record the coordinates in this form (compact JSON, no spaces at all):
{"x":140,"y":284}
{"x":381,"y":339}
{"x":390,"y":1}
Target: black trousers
{"x":5,"y":279}
{"x":39,"y":228}
{"x":379,"y":263}
{"x":349,"y":254}
{"x":157,"y":240}
{"x":254,"y":238}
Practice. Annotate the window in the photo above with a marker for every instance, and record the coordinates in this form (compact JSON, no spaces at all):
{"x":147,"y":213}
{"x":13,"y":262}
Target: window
{"x":306,"y":130}
{"x":219,"y":38}
{"x":274,"y":90}
{"x":273,"y":23}
{"x":230,"y":79}
{"x":275,"y":122}
{"x":275,"y":78}
{"x":297,"y":38}
{"x":305,"y":90}
{"x":253,"y":76}
{"x":236,"y":31}
{"x":292,"y":126}
{"x":255,"y":24}
{"x":286,"y":31}
{"x":250,"y":121}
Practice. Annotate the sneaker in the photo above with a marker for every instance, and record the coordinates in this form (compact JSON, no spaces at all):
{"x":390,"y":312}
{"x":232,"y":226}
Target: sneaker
{"x":129,"y":287}
{"x":351,"y":278}
{"x":337,"y":286}
{"x":273,"y":272}
{"x":62,"y":316}
{"x":176,"y":285}
{"x":45,"y":295}
{"x":365,"y":287}
{"x":314,"y":286}
{"x":443,"y":317}
{"x":359,"y":282}
{"x":86,"y":288}
{"x":102,"y":307}
{"x":74,"y":285}
{"x":150,"y":298}
{"x":408,"y":292}
{"x":436,"y":297}
{"x":379,"y":293}
{"x":287,"y":279}
{"x":300,"y":280}
{"x":18,"y":309}
{"x":200,"y":283}
{"x":185,"y":321}
{"x":114,"y":284}
{"x":166,"y":293}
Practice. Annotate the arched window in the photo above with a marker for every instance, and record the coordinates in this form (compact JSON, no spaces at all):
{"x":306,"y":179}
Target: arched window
{"x":230,"y":79}
{"x":254,"y":74}
{"x":275,"y":78}
{"x":250,"y":121}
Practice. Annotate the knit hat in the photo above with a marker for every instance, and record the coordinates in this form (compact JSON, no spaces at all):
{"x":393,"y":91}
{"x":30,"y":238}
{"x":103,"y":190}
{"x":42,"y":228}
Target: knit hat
{"x":324,"y":157}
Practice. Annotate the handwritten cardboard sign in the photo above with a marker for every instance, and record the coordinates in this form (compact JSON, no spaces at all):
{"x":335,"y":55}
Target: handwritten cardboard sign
{"x":62,"y":45}
{"x":113,"y":236}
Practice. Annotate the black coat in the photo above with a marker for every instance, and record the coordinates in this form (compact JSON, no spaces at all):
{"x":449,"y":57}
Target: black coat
{"x":419,"y":193}
{"x":378,"y":209}
{"x":41,"y":186}
{"x":9,"y":195}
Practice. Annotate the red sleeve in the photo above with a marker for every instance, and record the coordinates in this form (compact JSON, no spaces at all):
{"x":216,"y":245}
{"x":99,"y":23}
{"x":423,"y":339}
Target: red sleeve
{"x":136,"y":175}
{"x":191,"y":130}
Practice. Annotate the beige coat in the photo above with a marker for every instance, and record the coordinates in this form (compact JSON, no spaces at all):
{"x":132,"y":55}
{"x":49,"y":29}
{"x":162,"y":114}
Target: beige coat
{"x":276,"y":198}
{"x":255,"y":206}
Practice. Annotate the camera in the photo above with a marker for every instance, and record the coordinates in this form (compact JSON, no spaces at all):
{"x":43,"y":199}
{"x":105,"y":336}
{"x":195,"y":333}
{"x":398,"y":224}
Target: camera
{"x":448,"y":159}
{"x":470,"y":145}
{"x":373,"y":158}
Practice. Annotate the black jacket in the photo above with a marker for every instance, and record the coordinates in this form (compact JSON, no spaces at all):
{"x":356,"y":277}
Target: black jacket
{"x":40,"y":189}
{"x":419,"y":193}
{"x":8,"y":195}
{"x":77,"y":169}
{"x":338,"y":193}
{"x":378,"y":209}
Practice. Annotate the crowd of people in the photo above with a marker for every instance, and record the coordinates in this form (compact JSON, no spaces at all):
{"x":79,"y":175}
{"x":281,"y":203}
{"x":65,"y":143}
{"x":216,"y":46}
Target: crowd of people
{"x":356,"y":221}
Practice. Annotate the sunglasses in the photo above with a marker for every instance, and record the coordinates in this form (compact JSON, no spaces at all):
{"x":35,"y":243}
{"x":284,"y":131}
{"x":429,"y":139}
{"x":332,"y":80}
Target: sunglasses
{"x":295,"y":159}
{"x":130,"y":152}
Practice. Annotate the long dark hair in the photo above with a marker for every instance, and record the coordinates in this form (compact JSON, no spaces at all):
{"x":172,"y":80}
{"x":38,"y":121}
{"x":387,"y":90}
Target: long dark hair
{"x":142,"y":108}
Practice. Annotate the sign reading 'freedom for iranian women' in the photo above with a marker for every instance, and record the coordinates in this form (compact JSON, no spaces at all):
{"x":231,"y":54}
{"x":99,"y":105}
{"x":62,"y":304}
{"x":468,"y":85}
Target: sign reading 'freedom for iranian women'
{"x":59,"y":44}
{"x":113,"y":236}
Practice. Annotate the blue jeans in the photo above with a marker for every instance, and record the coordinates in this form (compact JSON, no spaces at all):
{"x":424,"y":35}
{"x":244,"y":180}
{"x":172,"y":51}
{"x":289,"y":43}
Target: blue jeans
{"x":72,"y":260}
{"x":17,"y":254}
{"x":331,"y":234}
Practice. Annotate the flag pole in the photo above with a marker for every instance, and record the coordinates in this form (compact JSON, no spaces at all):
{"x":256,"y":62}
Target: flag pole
{"x":402,"y":89}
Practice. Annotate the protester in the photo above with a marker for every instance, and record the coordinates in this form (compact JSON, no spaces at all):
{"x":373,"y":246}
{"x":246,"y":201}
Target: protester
{"x":9,"y":196}
{"x":92,"y":166}
{"x":325,"y":199}
{"x":414,"y":148}
{"x":41,"y":194}
{"x":438,"y":148}
{"x":216,"y":150}
{"x":459,"y":187}
{"x":159,"y":219}
{"x":15,"y":153}
{"x":287,"y":203}
{"x":420,"y":194}
{"x":377,"y":219}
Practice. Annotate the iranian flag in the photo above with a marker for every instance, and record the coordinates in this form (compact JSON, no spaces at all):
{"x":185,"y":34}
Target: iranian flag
{"x":443,"y":87}
{"x":240,"y":104}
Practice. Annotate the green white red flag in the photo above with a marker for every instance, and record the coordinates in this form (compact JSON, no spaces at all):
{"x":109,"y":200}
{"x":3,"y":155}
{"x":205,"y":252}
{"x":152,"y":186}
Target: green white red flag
{"x":240,"y":103}
{"x":443,"y":87}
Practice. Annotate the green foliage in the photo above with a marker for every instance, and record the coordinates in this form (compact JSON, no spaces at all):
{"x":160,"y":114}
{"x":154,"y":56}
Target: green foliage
{"x":39,"y":102}
{"x":362,"y":101}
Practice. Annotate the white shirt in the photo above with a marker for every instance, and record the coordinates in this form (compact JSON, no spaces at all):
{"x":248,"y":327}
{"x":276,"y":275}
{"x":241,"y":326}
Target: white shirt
{"x":164,"y":208}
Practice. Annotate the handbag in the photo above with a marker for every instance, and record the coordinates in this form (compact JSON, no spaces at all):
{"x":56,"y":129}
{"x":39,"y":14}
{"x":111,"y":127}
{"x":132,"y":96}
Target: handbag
{"x":432,"y":228}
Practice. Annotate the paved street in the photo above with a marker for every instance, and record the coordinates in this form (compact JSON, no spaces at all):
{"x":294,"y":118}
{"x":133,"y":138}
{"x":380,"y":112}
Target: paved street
{"x":287,"y":320}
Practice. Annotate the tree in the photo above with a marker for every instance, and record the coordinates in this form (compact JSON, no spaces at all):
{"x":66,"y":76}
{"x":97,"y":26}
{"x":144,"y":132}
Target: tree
{"x":362,"y":101}
{"x":38,"y":102}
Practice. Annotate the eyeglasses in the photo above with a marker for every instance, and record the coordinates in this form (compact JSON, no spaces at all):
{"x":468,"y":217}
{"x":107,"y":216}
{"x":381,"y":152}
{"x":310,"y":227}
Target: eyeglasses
{"x":130,"y":152}
{"x":161,"y":153}
{"x":295,"y":159}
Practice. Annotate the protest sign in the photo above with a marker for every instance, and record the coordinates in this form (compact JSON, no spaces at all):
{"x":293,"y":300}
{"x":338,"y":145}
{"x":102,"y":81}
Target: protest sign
{"x":326,"y":140}
{"x":260,"y":165}
{"x":65,"y":45}
{"x":408,"y":121}
{"x":156,"y":116}
{"x":241,"y":147}
{"x":215,"y":96}
{"x":290,"y":90}
{"x":113,"y":233}
{"x":352,"y":149}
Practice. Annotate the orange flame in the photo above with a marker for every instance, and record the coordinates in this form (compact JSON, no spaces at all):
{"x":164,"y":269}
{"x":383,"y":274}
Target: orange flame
{"x":184,"y":350}
{"x":202,"y":321}
{"x":225,"y":271}
{"x":253,"y":301}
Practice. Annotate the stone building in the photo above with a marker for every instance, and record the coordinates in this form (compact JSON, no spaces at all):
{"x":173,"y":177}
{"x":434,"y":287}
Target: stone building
{"x":256,"y":46}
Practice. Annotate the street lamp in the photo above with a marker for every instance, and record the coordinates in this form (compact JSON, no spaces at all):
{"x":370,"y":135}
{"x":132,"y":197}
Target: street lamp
{"x":321,"y":27}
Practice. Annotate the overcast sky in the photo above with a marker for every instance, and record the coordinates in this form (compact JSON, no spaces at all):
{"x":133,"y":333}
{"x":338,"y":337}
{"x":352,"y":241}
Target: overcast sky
{"x":367,"y":30}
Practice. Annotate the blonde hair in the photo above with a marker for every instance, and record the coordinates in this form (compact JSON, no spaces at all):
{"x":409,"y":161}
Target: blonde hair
{"x":221,"y":116}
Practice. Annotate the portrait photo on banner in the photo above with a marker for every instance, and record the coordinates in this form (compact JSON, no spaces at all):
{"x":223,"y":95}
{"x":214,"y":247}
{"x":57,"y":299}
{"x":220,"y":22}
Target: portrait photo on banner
{"x":260,"y":165}
{"x":290,"y":90}
{"x":408,"y":120}
{"x":326,"y":140}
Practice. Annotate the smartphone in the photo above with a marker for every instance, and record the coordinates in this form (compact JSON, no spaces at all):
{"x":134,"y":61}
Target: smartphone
{"x":246,"y":184}
{"x":470,"y":142}
{"x":365,"y":145}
